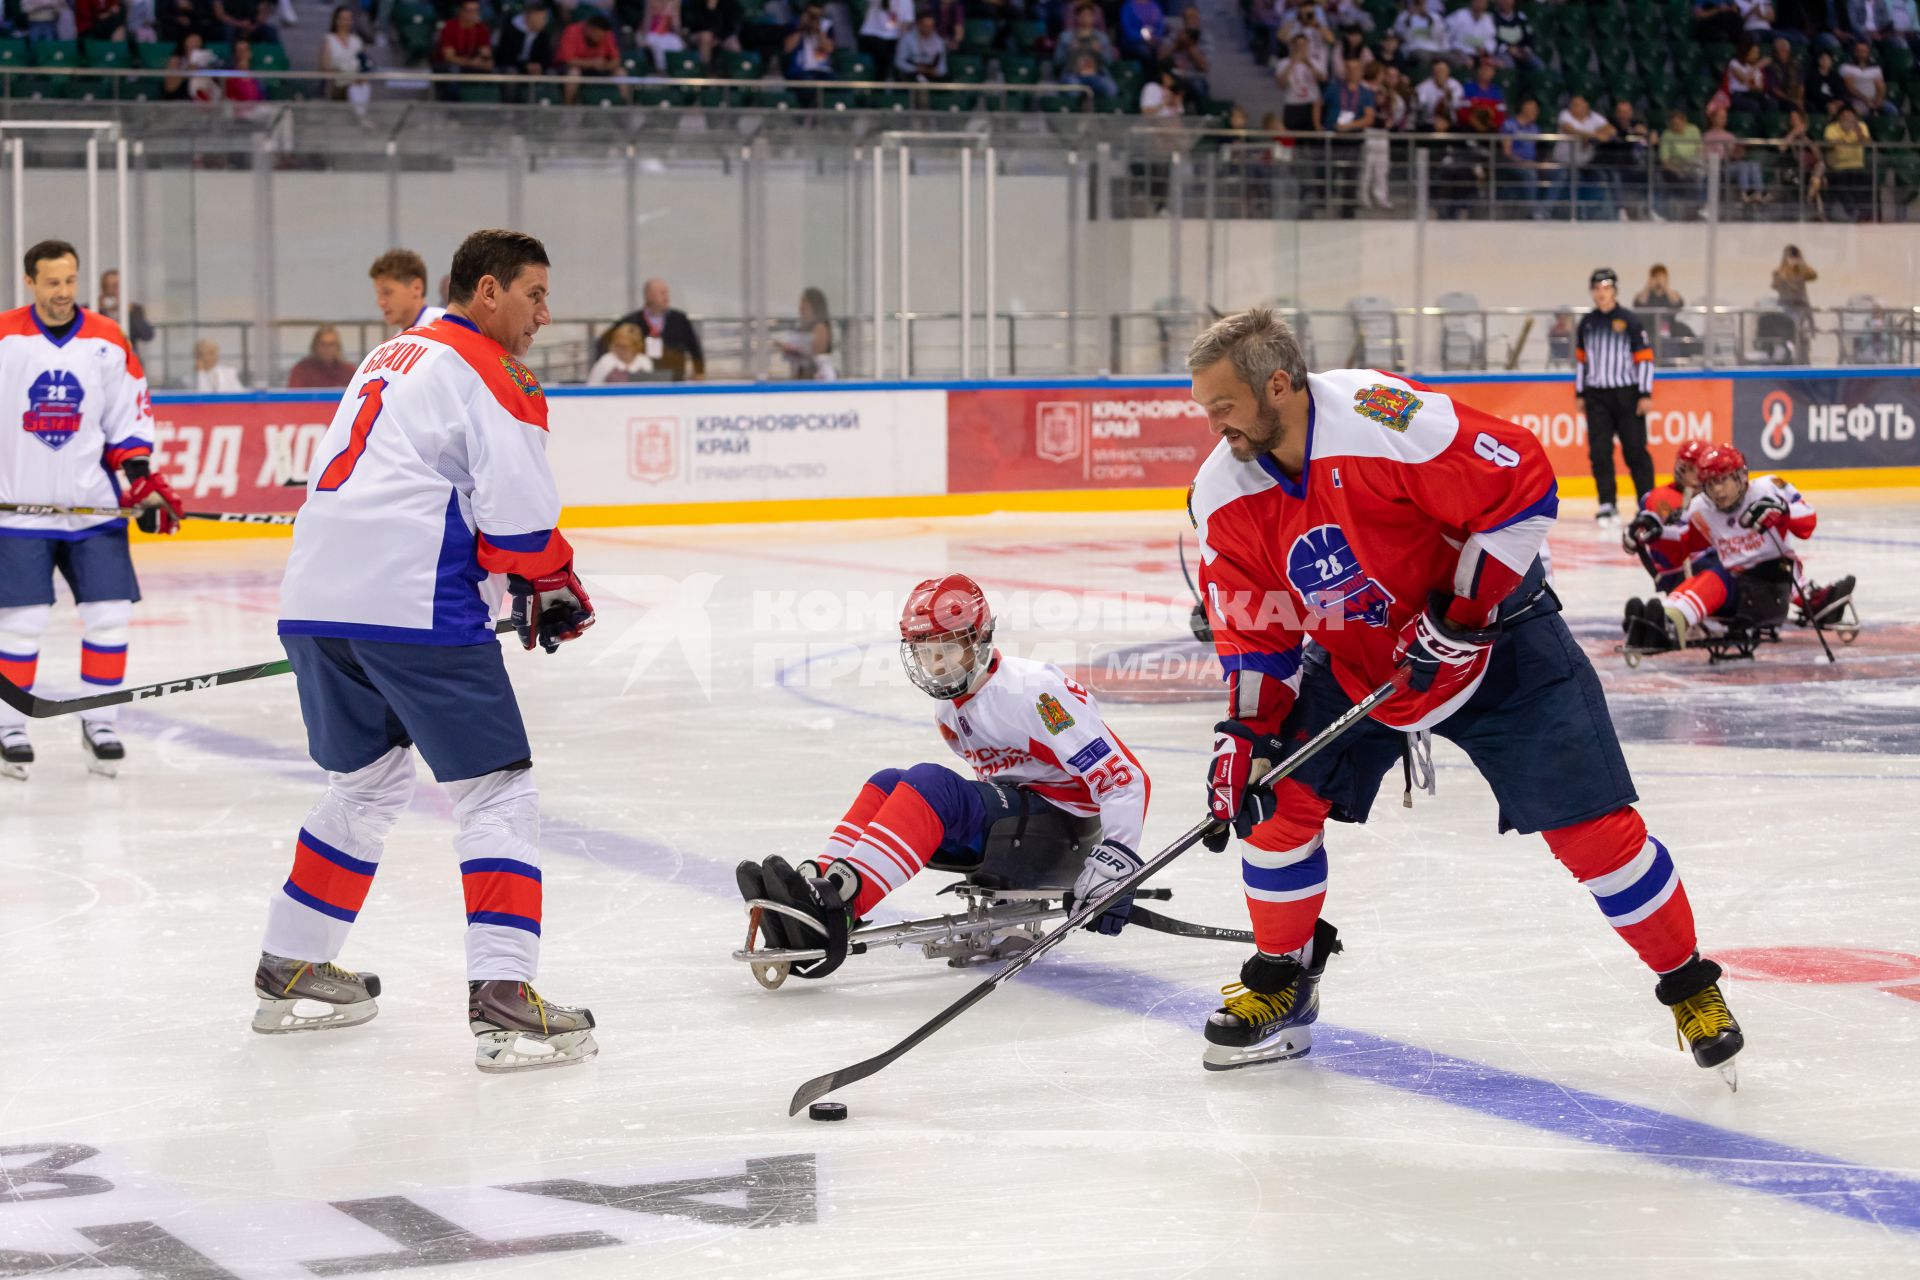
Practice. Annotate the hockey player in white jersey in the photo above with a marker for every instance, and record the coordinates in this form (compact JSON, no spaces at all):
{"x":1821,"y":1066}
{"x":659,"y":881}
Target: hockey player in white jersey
{"x":400,"y":290}
{"x":1739,"y":535}
{"x":435,"y":492}
{"x":73,"y":411}
{"x":1043,"y":761}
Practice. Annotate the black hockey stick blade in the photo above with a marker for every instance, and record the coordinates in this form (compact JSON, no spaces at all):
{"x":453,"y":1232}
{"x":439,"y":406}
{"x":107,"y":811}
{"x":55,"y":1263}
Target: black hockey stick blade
{"x":1153,"y":920}
{"x":820,"y":1086}
{"x":39,"y":708}
{"x":223,"y":517}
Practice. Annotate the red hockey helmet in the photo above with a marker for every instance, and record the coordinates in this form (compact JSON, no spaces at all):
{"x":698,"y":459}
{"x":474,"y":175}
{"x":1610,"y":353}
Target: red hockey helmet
{"x":1719,"y":465}
{"x":946,"y":635}
{"x":1688,"y":460}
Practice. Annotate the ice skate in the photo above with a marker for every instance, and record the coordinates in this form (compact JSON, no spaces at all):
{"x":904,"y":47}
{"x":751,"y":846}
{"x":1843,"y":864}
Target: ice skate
{"x":1606,"y":519}
{"x":16,"y":753}
{"x":1268,"y":1015}
{"x":105,"y":751}
{"x":515,"y":1030}
{"x":285,"y":985}
{"x":1701,"y":1019}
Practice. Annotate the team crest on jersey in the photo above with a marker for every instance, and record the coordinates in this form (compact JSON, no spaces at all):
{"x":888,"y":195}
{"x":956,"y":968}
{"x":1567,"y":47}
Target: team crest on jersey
{"x":1391,"y":407}
{"x":1056,"y":717}
{"x":522,"y":376}
{"x":53,"y":408}
{"x":1619,"y":325}
{"x":1329,"y":577}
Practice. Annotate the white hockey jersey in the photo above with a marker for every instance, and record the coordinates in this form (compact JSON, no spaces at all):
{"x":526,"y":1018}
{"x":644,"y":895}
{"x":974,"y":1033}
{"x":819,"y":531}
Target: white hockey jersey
{"x":426,"y":317}
{"x":435,"y":481}
{"x":71,"y":412}
{"x":1030,"y":725}
{"x":1711,"y":529}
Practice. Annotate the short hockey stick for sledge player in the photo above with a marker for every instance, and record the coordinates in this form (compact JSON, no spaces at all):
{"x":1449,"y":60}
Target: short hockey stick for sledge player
{"x":820,"y":1086}
{"x":44,"y":708}
{"x":1141,"y":917}
{"x":224,"y":517}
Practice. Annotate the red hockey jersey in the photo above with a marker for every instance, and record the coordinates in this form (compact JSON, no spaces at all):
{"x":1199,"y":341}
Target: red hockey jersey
{"x":1404,"y":493}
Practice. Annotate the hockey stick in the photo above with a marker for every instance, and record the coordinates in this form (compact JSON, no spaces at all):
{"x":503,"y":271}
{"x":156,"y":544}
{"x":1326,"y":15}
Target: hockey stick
{"x":127,"y":513}
{"x":820,"y":1086}
{"x":44,"y":708}
{"x":1153,"y":920}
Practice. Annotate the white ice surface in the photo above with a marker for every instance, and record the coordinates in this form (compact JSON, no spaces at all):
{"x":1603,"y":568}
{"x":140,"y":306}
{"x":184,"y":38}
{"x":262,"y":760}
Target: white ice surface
{"x":1494,"y":1090}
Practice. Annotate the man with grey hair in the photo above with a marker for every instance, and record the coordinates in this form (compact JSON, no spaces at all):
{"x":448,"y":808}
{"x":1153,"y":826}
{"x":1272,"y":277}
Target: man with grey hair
{"x":1401,"y":531}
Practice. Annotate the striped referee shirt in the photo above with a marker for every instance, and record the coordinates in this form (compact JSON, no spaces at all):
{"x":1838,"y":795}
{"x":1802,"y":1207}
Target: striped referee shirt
{"x":1610,"y":349}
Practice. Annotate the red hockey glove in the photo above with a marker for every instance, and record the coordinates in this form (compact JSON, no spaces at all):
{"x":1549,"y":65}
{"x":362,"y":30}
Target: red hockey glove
{"x":551,"y":609}
{"x":1231,"y":797}
{"x":1430,"y":645}
{"x":159,"y":508}
{"x":1769,"y":514}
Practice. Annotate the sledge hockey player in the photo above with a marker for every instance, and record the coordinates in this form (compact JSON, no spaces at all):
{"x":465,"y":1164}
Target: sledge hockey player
{"x":1741,"y":530}
{"x":75,"y":411}
{"x":1655,"y":534}
{"x":436,"y":486}
{"x":1400,"y":531}
{"x":1044,"y":763}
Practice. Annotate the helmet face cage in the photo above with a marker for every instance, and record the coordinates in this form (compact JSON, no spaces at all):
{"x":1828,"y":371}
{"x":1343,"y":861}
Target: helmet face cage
{"x":944,"y":664}
{"x":1723,"y":463}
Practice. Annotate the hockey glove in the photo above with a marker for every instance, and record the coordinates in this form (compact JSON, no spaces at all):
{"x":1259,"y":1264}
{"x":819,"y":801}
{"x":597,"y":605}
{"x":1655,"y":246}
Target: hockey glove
{"x":159,"y":508}
{"x":1769,"y":514}
{"x":551,"y":609}
{"x":1644,"y":529}
{"x":1231,"y":798}
{"x":1109,"y":864}
{"x":1429,"y":644}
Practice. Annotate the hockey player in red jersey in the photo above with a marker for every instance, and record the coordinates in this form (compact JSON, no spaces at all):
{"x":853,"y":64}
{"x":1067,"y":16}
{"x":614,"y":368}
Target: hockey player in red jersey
{"x":1737,"y":535}
{"x":1357,"y":527}
{"x":1046,"y":770}
{"x":1656,"y":533}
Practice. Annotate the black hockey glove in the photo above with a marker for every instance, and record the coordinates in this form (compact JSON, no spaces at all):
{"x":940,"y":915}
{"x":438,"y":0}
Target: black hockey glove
{"x":1642,"y":530}
{"x":1769,"y":513}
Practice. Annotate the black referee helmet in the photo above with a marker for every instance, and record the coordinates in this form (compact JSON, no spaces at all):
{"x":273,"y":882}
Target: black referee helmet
{"x":1603,"y":275}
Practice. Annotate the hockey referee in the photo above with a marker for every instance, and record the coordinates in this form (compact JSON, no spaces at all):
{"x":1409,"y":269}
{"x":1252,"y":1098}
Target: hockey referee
{"x":1613,"y":379}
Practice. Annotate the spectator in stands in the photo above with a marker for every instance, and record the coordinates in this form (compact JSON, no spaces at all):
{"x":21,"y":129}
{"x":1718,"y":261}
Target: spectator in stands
{"x":1808,"y":171}
{"x":41,"y":19}
{"x":463,"y":44}
{"x":173,"y":19}
{"x":1189,"y":55}
{"x":1399,"y":110}
{"x":1521,"y":169}
{"x":1083,"y":37}
{"x":587,"y":49}
{"x":1880,"y":18}
{"x":1485,"y":104}
{"x":181,"y":86}
{"x":1716,"y":21}
{"x":322,"y":365}
{"x":1847,"y":178}
{"x":107,"y":303}
{"x":1790,"y":281}
{"x":525,"y":44}
{"x":1352,"y":48}
{"x":1142,"y":28}
{"x":1577,"y":179}
{"x":1341,"y":14}
{"x":344,"y":53}
{"x":1747,"y":79}
{"x":100,"y":20}
{"x":950,"y":18}
{"x":715,"y":24}
{"x":809,"y":46}
{"x":921,"y":55}
{"x":244,"y":20}
{"x":1263,"y":30}
{"x":1736,"y":166}
{"x":1422,"y":32}
{"x":1786,"y":79}
{"x":809,"y":349}
{"x":1472,"y":33}
{"x":1756,"y":18}
{"x":1391,"y":52}
{"x":880,"y":31}
{"x":1309,"y":20}
{"x":660,"y":31}
{"x":1825,"y":88}
{"x":1683,"y":160}
{"x":1350,"y":111}
{"x":625,"y":357}
{"x":1376,"y":152}
{"x":1866,"y":83}
{"x":1514,"y":35}
{"x":243,"y":88}
{"x":1627,"y":156}
{"x":1455,"y":174}
{"x":1658,"y":294}
{"x":671,"y":340}
{"x":1300,"y":89}
{"x":1439,"y":94}
{"x":1160,"y":98}
{"x":209,"y":375}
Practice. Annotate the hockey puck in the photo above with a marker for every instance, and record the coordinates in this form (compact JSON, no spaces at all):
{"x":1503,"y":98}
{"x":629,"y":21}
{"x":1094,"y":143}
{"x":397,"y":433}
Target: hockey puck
{"x":827,"y":1111}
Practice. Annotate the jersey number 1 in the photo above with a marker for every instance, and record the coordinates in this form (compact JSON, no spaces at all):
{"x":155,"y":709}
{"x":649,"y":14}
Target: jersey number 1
{"x":348,"y":458}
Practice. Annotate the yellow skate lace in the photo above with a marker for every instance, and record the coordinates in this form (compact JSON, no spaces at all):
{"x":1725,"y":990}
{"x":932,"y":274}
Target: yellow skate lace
{"x":1253,"y":1007}
{"x":326,"y":969}
{"x":532,"y":997}
{"x":1702,"y":1017}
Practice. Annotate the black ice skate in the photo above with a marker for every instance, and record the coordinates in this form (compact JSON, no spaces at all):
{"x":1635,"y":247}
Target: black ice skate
{"x":16,"y":753}
{"x":1701,"y":1018}
{"x":1268,"y":1015}
{"x":1825,"y":606}
{"x":105,"y":751}
{"x":298,"y":995}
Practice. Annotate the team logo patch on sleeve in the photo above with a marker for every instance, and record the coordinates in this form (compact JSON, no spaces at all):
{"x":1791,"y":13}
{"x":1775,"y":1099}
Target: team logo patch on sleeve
{"x":522,"y":376}
{"x":1090,"y":755}
{"x":1056,"y":717}
{"x":53,"y":408}
{"x":1391,"y":407}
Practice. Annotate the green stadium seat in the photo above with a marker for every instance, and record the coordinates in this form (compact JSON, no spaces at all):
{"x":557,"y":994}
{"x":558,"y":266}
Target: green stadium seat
{"x":966,"y":68}
{"x":978,"y":34}
{"x":738,"y":66}
{"x":57,"y":55}
{"x":1026,"y":36}
{"x":414,"y":23}
{"x":1020,"y":69}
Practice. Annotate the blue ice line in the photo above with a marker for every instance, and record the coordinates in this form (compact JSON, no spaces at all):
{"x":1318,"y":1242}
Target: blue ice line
{"x":1751,"y":1163}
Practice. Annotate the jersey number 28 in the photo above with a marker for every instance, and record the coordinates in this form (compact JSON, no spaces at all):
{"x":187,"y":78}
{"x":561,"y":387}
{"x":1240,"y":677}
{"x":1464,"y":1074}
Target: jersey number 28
{"x":348,"y":458}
